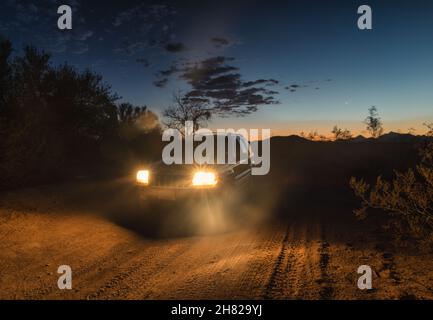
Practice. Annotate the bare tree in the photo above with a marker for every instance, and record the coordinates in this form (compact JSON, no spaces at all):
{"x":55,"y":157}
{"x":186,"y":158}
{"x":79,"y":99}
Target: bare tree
{"x":341,"y":134}
{"x":187,"y":109}
{"x":374,"y":123}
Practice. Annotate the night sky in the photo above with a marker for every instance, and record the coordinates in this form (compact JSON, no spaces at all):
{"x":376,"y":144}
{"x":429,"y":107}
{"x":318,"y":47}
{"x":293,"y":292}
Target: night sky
{"x":326,"y":71}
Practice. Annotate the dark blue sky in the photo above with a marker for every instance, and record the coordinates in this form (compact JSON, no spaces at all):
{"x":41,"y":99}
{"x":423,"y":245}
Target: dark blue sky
{"x":334,"y":71}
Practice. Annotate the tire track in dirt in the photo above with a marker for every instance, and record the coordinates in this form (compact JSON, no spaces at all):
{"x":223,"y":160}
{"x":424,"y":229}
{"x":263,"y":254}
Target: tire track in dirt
{"x":240,"y":269}
{"x":310,"y":269}
{"x":325,"y":281}
{"x":33,"y":271}
{"x":197,"y":272}
{"x":218,"y":266}
{"x":89,"y":271}
{"x":137,"y":273}
{"x":296,"y":267}
{"x":274,"y":287}
{"x":389,"y":268}
{"x":260,"y":271}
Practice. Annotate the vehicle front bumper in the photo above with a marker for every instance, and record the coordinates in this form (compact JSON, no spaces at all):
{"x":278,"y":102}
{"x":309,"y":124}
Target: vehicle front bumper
{"x":174,"y":194}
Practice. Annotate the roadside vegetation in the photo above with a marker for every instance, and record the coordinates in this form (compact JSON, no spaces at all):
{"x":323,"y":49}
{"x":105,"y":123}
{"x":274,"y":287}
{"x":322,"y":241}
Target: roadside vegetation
{"x":60,"y":123}
{"x":407,"y":198}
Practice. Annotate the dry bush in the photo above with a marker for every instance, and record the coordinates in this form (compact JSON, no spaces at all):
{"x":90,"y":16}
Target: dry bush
{"x":314,"y":136}
{"x":341,"y":134}
{"x":408,"y":198}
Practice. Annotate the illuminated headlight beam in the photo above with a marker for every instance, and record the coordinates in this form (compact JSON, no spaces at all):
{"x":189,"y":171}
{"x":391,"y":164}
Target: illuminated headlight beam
{"x":204,"y":179}
{"x":143,"y":176}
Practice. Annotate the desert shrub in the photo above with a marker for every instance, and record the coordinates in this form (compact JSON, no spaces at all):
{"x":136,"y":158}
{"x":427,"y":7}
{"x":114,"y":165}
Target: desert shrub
{"x":341,"y":134}
{"x":314,"y":136}
{"x":407,"y":198}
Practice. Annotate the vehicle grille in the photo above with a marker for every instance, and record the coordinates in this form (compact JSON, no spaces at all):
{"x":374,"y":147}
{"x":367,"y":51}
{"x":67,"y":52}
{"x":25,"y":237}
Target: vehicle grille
{"x":170,"y":181}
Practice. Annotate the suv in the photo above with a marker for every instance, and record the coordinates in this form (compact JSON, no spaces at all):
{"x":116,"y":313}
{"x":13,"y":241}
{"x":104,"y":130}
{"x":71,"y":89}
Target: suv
{"x":161,"y":184}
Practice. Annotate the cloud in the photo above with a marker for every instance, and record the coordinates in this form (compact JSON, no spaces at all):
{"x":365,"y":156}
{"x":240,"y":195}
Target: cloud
{"x":33,"y":8}
{"x":220,"y":42}
{"x":199,"y":75}
{"x":160,"y":83}
{"x":175,"y":47}
{"x":153,"y":27}
{"x":144,"y":62}
{"x":123,"y":17}
{"x":34,"y":20}
{"x":294,"y":87}
{"x":168,"y":72}
{"x":80,"y":48}
{"x":131,"y":48}
{"x":15,"y":4}
{"x":83,"y":36}
{"x":261,"y":81}
{"x":57,"y":45}
{"x":216,"y":82}
{"x":144,"y":13}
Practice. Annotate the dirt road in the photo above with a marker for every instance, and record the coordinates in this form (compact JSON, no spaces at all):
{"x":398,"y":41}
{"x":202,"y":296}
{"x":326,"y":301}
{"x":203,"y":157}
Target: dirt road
{"x":305,"y":256}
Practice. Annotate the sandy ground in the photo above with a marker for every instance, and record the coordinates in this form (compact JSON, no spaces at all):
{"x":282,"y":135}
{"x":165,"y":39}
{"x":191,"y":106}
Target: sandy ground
{"x":303,"y":256}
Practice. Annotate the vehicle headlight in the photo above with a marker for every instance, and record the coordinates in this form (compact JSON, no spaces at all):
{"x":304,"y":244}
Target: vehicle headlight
{"x":204,"y":179}
{"x":143,"y":176}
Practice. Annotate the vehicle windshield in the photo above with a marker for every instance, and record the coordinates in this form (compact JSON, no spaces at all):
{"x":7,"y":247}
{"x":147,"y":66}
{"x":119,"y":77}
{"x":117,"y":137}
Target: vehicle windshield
{"x":227,"y":149}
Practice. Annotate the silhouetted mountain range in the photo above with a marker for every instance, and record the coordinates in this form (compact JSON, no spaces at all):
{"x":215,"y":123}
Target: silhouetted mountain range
{"x":326,"y":166}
